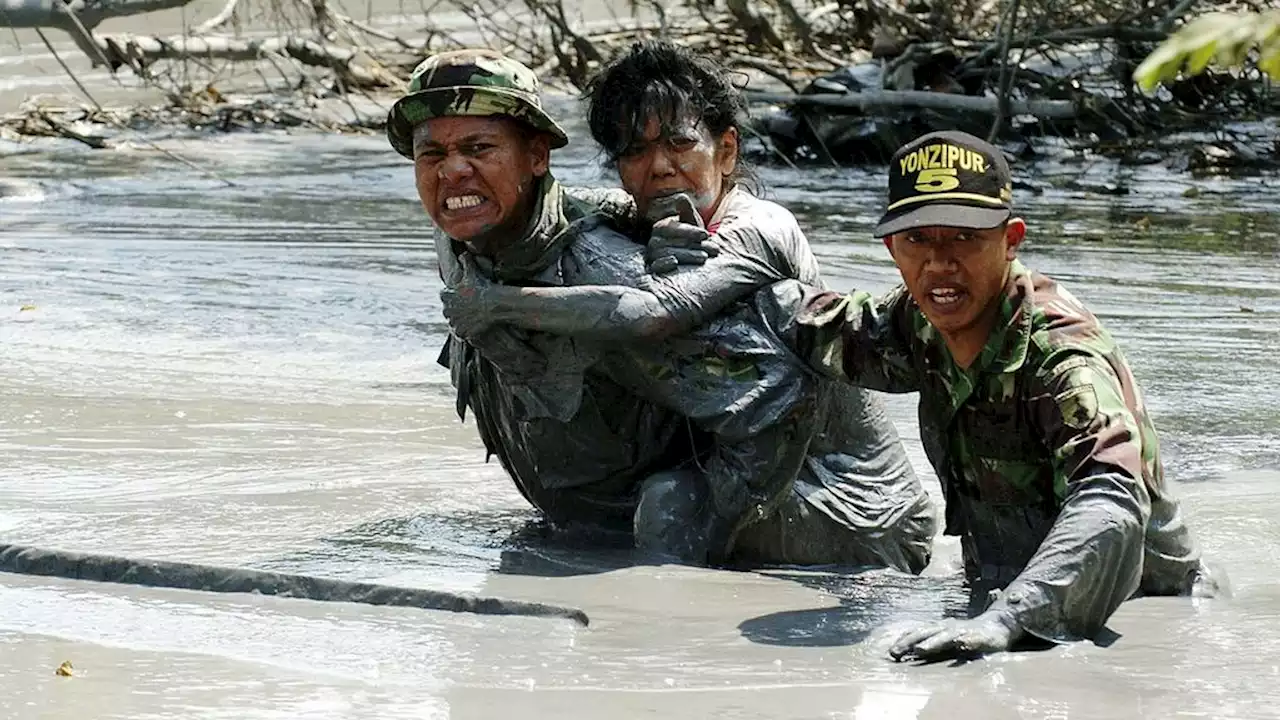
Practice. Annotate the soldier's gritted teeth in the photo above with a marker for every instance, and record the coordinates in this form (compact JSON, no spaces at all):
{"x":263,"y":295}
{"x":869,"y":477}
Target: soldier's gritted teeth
{"x":681,"y":158}
{"x":475,"y":175}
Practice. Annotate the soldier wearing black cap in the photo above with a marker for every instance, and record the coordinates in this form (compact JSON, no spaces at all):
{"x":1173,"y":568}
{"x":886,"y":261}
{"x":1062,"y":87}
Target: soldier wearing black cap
{"x":1049,"y":462}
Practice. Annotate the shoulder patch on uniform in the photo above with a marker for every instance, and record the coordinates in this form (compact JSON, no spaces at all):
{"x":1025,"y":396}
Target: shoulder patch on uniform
{"x":1079,"y":406}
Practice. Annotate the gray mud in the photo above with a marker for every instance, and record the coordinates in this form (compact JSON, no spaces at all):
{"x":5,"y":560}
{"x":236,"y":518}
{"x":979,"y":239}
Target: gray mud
{"x":245,"y":375}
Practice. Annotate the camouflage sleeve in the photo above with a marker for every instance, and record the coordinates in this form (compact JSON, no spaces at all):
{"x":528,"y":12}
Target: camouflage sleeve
{"x":854,"y":338}
{"x":1091,"y":560}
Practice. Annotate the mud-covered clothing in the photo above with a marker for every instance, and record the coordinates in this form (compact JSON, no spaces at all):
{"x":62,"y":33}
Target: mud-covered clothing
{"x":576,"y":447}
{"x":856,"y":475}
{"x":1048,"y":460}
{"x":750,"y":404}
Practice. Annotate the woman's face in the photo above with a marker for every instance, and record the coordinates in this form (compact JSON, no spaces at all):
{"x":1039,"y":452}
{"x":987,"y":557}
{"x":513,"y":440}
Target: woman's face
{"x":687,"y":159}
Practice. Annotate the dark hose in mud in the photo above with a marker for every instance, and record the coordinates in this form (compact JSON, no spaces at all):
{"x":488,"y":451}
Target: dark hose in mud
{"x":210,"y":578}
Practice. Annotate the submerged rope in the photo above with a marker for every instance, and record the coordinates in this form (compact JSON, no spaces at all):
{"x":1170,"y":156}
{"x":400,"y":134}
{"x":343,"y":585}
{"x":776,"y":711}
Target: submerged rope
{"x":210,"y":578}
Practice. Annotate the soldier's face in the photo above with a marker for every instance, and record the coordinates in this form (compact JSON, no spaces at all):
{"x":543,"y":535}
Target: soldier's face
{"x":688,"y":159}
{"x":476,"y":177}
{"x":957,"y":275}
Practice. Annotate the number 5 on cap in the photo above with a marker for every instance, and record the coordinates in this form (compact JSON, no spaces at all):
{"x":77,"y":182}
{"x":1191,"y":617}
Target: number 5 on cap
{"x":933,"y":180}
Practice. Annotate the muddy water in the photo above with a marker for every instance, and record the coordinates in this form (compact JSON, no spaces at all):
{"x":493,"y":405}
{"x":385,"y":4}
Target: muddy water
{"x":246,"y":375}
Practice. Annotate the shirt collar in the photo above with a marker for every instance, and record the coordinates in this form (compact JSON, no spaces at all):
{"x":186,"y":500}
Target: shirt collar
{"x":1006,"y":348}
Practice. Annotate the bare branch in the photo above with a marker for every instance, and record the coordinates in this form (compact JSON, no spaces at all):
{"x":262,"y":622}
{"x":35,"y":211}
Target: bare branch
{"x":218,"y":20}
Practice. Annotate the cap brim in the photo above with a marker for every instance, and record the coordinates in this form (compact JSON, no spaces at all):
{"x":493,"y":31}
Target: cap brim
{"x":400,"y":128}
{"x":943,"y":215}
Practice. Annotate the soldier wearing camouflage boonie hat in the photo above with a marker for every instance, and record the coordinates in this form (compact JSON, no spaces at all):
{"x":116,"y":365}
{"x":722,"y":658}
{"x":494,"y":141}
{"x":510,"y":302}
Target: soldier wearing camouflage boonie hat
{"x":475,"y":82}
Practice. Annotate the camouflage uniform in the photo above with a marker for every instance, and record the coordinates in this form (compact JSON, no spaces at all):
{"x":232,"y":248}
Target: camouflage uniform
{"x":1048,"y":460}
{"x":604,"y":441}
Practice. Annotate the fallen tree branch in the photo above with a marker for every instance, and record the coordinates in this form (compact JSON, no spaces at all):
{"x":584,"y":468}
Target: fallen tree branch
{"x":1005,"y":79}
{"x":920,"y":100}
{"x":56,"y":13}
{"x":756,"y":27}
{"x":66,"y":131}
{"x":381,"y":34}
{"x":139,"y":51}
{"x":211,"y":578}
{"x":773,"y":71}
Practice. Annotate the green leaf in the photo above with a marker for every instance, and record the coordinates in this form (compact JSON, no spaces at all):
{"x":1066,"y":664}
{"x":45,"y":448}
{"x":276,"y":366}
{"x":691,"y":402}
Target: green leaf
{"x":1221,"y":39}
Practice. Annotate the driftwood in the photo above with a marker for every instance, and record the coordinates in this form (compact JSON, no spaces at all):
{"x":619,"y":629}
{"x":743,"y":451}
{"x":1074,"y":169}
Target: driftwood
{"x":139,"y":51}
{"x":63,"y":15}
{"x":984,"y":64}
{"x":211,"y":578}
{"x":920,"y":100}
{"x":222,"y":18}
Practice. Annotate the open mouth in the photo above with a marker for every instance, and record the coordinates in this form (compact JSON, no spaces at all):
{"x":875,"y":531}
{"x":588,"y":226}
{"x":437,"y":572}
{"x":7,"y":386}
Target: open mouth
{"x":463,"y":202}
{"x":946,"y":297}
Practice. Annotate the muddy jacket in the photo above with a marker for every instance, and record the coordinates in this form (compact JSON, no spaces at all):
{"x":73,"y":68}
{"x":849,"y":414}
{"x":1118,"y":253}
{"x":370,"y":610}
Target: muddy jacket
{"x":1048,"y":460}
{"x":856,"y":471}
{"x":761,"y":410}
{"x":576,"y":447}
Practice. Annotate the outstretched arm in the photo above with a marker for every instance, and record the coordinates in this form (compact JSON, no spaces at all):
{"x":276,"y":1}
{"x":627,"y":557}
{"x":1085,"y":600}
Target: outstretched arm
{"x":692,"y":277}
{"x":657,"y":306}
{"x":1091,"y":560}
{"x":856,"y":338}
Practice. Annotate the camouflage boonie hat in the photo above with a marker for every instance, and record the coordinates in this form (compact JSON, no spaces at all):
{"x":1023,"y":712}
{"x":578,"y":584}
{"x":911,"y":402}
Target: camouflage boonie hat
{"x":475,"y":82}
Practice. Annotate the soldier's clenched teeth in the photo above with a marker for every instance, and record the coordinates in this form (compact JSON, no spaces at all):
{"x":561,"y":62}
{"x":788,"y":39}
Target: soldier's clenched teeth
{"x":945,"y":295}
{"x":462,"y":202}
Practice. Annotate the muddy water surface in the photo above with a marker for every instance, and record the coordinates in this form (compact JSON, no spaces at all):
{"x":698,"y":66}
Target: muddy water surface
{"x":246,"y":375}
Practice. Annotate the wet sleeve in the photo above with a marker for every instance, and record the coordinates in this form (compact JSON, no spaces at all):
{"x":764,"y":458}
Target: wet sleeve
{"x":1091,"y":560}
{"x":658,"y":306}
{"x":758,"y":248}
{"x":770,"y":231}
{"x":855,"y":338}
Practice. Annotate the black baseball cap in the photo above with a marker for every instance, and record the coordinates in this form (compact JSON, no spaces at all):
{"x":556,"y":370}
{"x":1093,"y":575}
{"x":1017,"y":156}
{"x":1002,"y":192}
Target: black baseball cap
{"x":949,"y":179}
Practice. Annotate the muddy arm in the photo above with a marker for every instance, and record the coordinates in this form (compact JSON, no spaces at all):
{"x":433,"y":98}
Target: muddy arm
{"x":855,"y":338}
{"x":660,"y":306}
{"x":1091,"y":560}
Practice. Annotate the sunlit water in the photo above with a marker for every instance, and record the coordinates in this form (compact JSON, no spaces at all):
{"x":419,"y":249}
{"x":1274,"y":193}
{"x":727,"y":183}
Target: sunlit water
{"x":246,"y":375}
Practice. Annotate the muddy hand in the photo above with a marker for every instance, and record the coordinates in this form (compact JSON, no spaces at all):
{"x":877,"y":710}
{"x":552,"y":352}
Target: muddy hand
{"x":954,"y":639}
{"x":468,"y":304}
{"x":678,"y":237}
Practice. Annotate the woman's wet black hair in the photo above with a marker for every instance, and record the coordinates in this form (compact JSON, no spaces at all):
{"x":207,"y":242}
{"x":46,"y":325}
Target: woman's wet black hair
{"x":658,"y":78}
